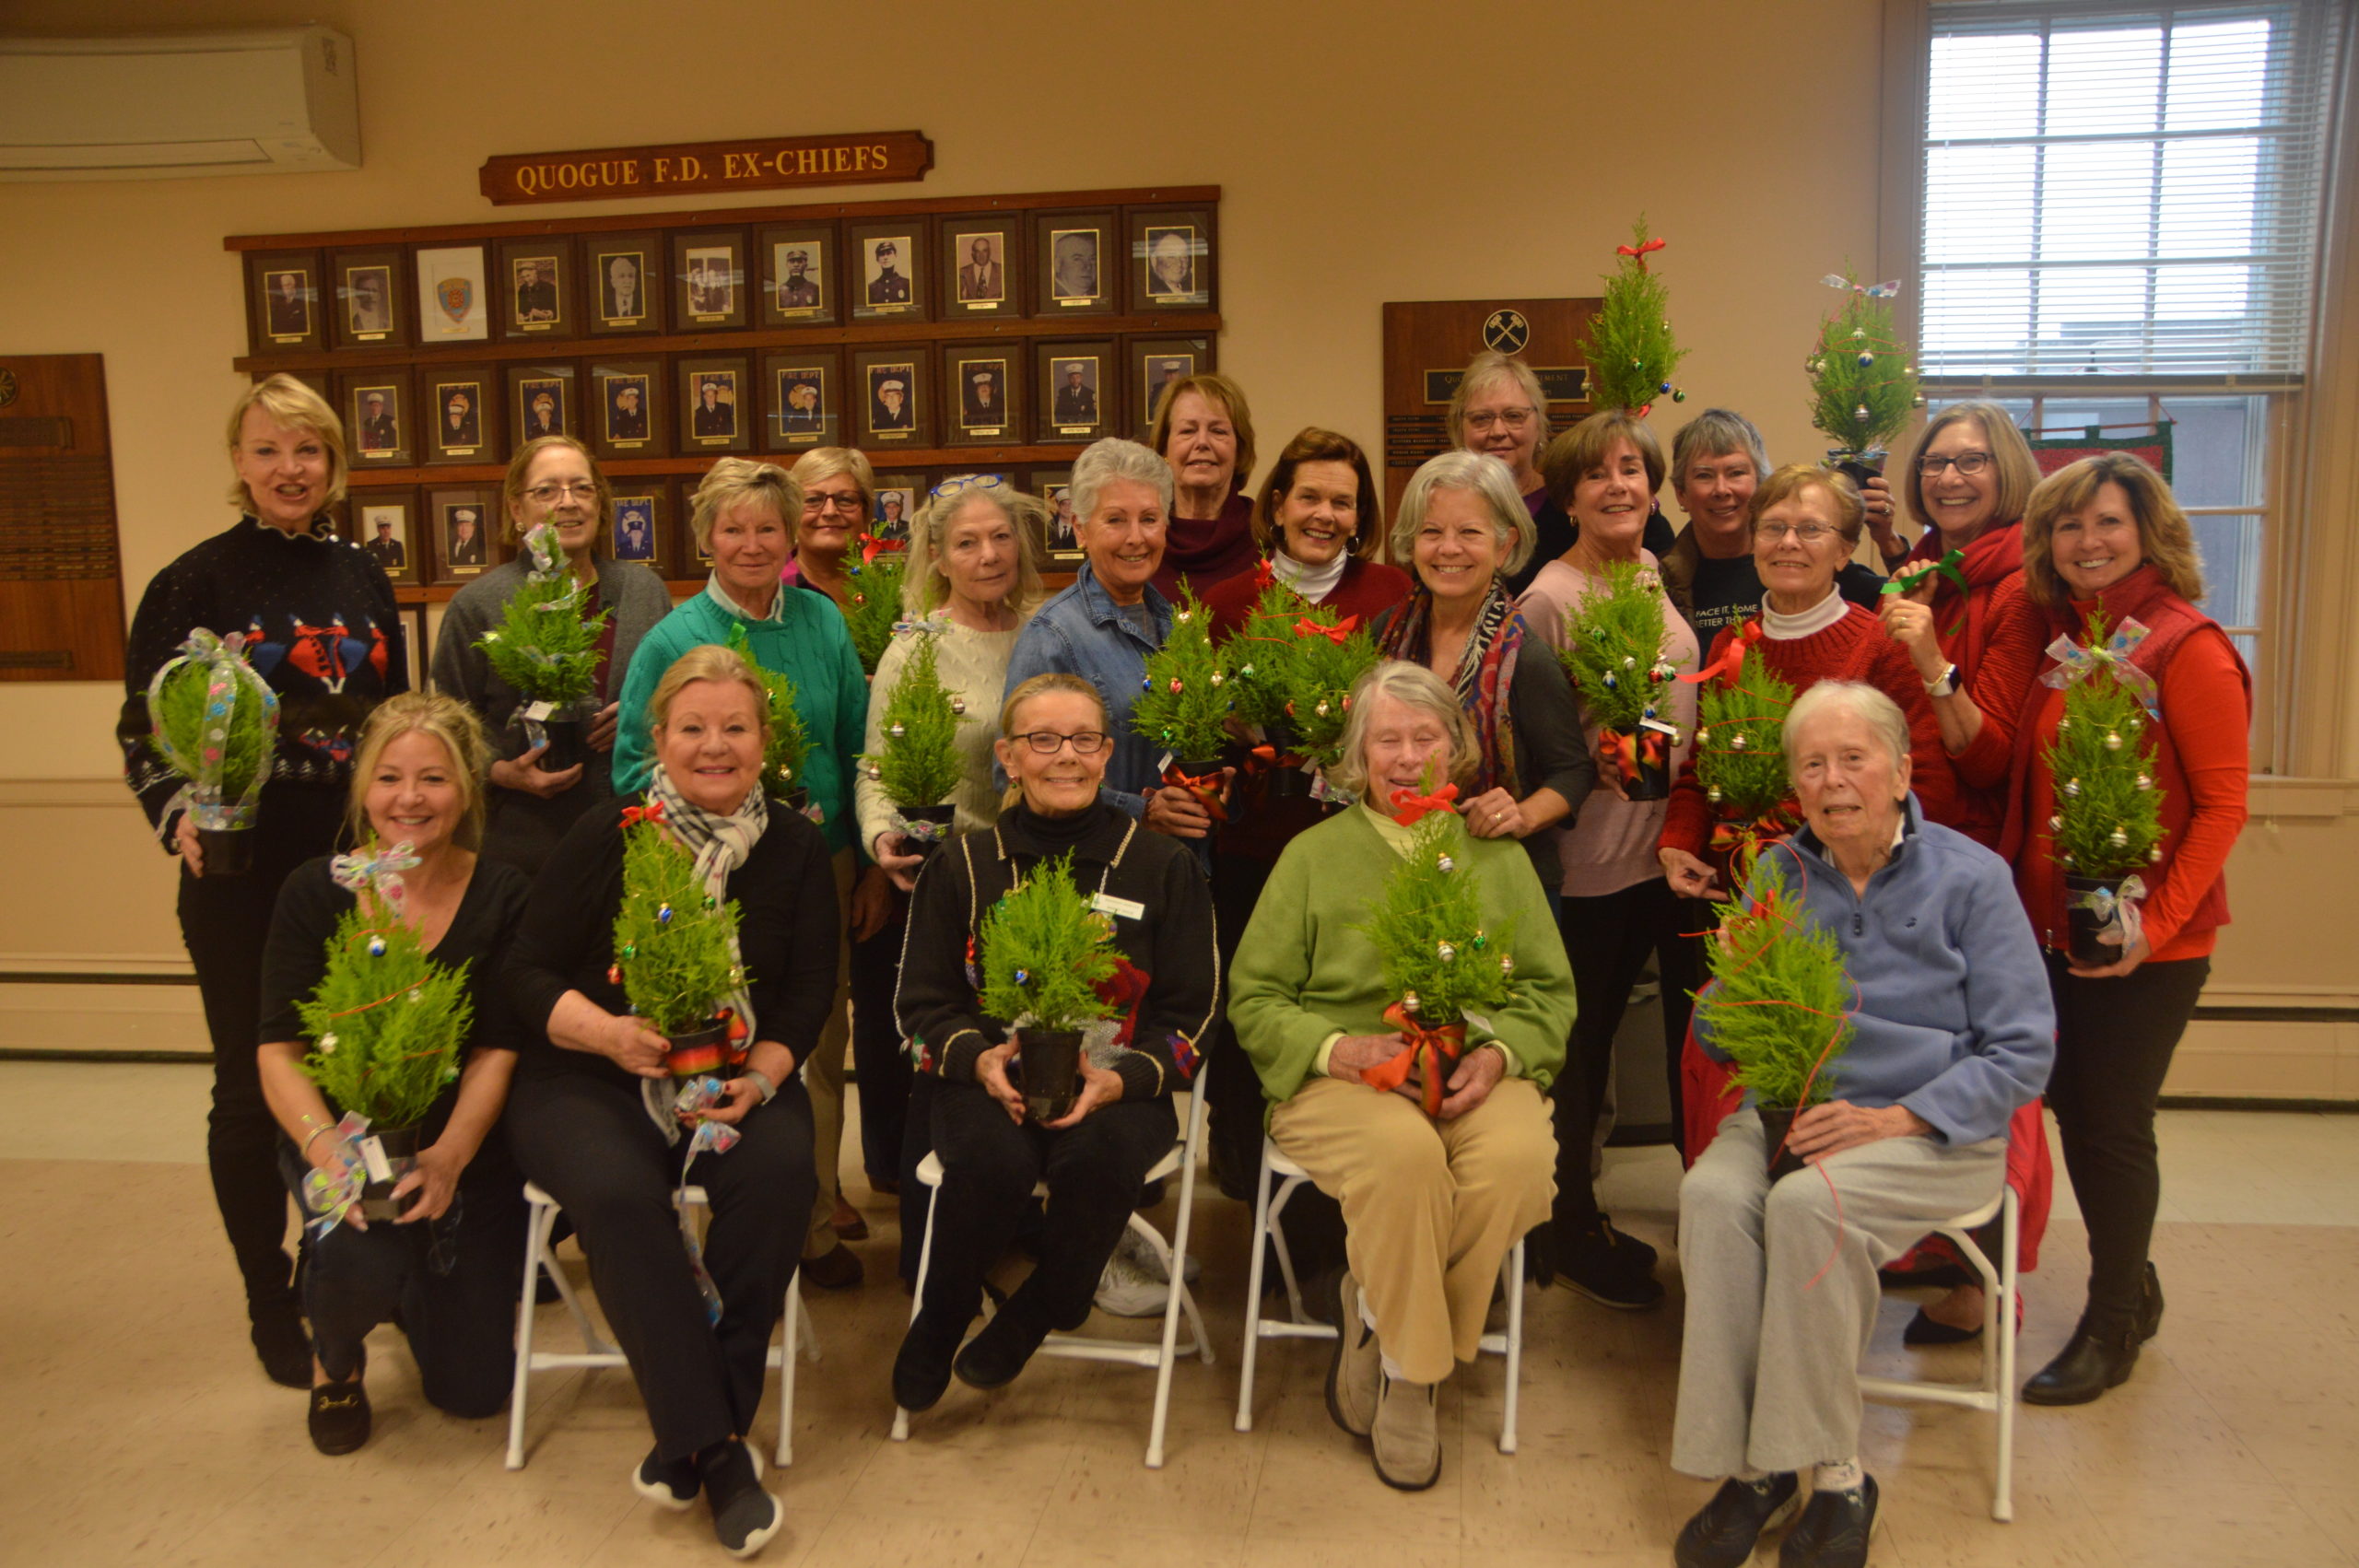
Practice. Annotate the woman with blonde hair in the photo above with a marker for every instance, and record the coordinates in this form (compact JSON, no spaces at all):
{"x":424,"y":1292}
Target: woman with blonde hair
{"x":839,"y":504}
{"x":552,"y":480}
{"x":320,"y":626}
{"x":446,"y":1269}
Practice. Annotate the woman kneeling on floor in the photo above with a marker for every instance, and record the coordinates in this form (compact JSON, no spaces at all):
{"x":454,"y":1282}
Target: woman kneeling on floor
{"x":1952,"y":1032}
{"x":1431,"y":1206}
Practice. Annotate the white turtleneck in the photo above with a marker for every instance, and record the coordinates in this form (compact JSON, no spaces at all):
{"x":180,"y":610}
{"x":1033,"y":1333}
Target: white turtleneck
{"x":1810,"y":623}
{"x":1314,"y":583}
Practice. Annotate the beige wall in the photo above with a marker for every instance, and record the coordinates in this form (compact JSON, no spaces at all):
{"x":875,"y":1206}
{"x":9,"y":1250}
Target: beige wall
{"x":1369,"y":151}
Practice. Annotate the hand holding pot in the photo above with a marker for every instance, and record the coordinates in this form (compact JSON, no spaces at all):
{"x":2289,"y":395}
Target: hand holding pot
{"x":520,"y":773}
{"x":1837,"y":1124}
{"x":600,"y":736}
{"x":1689,"y":877}
{"x":1477,"y":1074}
{"x":1099,"y":1086}
{"x":991,"y":1071}
{"x":2138,"y":954}
{"x":898,"y":859}
{"x":1179,"y":812}
{"x":1355,"y":1054}
{"x":192,"y":849}
{"x":634,"y":1048}
{"x":435,"y":1178}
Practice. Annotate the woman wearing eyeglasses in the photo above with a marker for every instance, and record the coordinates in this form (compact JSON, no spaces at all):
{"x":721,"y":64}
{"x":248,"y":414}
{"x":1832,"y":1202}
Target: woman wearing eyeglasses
{"x":839,"y":499}
{"x":552,"y":480}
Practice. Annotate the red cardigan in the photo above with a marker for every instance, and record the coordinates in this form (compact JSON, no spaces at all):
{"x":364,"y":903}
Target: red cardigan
{"x":1856,"y":648}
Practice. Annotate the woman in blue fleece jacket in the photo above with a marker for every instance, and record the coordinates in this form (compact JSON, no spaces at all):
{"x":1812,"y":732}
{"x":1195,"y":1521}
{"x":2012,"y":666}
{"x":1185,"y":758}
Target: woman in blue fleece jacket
{"x":1953,"y":1032}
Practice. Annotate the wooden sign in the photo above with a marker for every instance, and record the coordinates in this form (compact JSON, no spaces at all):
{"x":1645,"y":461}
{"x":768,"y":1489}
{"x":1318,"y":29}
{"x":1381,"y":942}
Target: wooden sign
{"x":60,"y":576}
{"x":866,"y":157}
{"x":1427,"y":344}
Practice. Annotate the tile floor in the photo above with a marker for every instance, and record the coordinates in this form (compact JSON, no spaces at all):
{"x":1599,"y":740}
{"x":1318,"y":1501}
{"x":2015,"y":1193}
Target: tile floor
{"x":2235,"y":1443}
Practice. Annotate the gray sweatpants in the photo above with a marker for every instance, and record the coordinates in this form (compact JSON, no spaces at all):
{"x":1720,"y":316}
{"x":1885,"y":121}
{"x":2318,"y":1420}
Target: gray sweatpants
{"x":1768,"y":1372}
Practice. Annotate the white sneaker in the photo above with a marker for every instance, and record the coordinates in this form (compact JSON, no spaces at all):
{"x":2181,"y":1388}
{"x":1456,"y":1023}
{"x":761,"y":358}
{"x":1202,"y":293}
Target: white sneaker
{"x":1133,"y":1284}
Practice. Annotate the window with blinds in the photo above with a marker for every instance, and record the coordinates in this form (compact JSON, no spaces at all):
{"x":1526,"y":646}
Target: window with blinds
{"x":2121,"y":189}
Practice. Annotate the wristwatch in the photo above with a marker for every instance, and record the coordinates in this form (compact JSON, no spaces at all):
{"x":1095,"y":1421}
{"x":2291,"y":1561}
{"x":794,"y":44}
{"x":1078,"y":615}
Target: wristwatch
{"x":1944,"y":686}
{"x":761,"y":1081}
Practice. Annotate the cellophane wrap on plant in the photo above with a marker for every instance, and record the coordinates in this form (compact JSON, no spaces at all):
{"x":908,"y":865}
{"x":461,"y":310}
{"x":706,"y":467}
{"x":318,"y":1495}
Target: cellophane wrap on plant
{"x":214,"y":720}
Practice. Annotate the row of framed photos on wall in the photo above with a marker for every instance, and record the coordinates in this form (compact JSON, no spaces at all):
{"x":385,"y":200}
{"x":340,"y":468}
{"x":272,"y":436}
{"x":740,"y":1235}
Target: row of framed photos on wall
{"x":449,"y":535}
{"x":912,"y":396}
{"x":1110,"y":261}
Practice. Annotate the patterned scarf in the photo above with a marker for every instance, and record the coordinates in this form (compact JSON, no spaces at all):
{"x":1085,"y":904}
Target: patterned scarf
{"x":1484,"y":678}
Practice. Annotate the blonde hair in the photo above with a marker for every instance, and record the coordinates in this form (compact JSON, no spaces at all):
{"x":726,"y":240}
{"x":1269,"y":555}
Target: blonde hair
{"x":1483,"y":372}
{"x":924,"y":586}
{"x":1213,"y":388}
{"x":735,"y":479}
{"x":828,"y":463}
{"x":297,"y":407}
{"x":1573,"y":455}
{"x":449,"y":720}
{"x":512,"y":489}
{"x":1419,"y":689}
{"x":2164,"y":537}
{"x":2011,"y":459}
{"x":1785,"y":483}
{"x":709,"y":661}
{"x":1045,"y":684}
{"x":1487,"y":477}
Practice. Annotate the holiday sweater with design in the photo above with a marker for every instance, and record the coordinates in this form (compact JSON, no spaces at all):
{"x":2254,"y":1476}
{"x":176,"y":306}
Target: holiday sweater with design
{"x":323,"y":632}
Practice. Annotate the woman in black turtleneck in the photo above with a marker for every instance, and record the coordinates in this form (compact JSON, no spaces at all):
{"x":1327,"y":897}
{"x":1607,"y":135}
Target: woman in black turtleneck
{"x":322,"y":630}
{"x":1054,"y":748}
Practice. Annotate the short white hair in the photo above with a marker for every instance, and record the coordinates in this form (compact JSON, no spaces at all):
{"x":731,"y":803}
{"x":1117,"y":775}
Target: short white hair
{"x":1104,"y":462}
{"x":1487,"y":477}
{"x":1885,"y":719}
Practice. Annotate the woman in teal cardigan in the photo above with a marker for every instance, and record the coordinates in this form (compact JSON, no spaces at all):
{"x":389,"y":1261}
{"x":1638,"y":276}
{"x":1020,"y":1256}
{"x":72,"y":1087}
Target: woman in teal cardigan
{"x":1431,"y":1206}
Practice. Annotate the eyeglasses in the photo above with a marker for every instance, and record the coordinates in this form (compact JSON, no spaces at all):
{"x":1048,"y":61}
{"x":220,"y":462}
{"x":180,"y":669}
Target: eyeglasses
{"x":834,"y":503}
{"x":1808,"y":532}
{"x":1513,"y":418}
{"x":550,"y":494}
{"x":1048,"y":742}
{"x":1931,"y":464}
{"x":958,"y":482}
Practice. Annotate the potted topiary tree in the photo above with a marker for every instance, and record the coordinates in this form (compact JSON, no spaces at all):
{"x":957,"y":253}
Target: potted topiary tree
{"x":1257,"y":694}
{"x":2107,"y":825}
{"x":676,"y":951}
{"x":214,"y":721}
{"x":1741,"y":761}
{"x":920,"y":764}
{"x":1863,"y":387}
{"x":1628,"y":343}
{"x":1613,"y":637}
{"x":788,"y":742}
{"x":547,"y":649}
{"x":1183,"y":707}
{"x":875,"y":605}
{"x":1315,"y":673}
{"x":1045,"y":952}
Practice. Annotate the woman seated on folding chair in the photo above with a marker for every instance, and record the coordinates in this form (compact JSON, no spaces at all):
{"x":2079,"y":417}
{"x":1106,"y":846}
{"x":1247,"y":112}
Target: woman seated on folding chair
{"x":1432,"y":1205}
{"x":1951,"y":1031}
{"x":1053,"y":746}
{"x":594,"y":1119}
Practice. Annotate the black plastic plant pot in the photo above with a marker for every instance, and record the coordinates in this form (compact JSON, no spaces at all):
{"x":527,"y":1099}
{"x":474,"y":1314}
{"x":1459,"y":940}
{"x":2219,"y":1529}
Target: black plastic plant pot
{"x":228,"y":851}
{"x":400,"y":1145}
{"x":792,"y":797}
{"x":2082,"y":925}
{"x":1050,"y":1060}
{"x":1651,"y":778}
{"x":1775,"y":1122}
{"x":698,"y":1053}
{"x":566,"y":748}
{"x":943,"y":815}
{"x":1858,"y":467}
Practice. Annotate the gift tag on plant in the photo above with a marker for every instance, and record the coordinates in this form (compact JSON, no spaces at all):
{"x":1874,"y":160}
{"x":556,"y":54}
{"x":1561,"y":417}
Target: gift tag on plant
{"x":537,"y":712}
{"x":1476,"y":1021}
{"x":1163,"y":763}
{"x":1660,"y":728}
{"x":372,"y":1157}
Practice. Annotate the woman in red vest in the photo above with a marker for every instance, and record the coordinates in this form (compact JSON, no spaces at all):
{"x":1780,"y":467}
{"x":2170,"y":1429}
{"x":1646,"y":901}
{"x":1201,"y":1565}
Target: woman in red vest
{"x":2104,"y":534}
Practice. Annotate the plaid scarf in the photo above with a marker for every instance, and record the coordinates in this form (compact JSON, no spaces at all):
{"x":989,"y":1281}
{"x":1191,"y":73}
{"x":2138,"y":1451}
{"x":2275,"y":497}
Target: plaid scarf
{"x":1484,"y":678}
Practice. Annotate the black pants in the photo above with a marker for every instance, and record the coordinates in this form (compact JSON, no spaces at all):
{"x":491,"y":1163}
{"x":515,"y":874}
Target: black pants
{"x":876,"y":1054}
{"x":2114,"y":1040}
{"x":225,"y":921}
{"x":1608,"y":940}
{"x":917,"y":1142}
{"x":452,"y":1281}
{"x":590,"y":1144}
{"x":989,"y":1164}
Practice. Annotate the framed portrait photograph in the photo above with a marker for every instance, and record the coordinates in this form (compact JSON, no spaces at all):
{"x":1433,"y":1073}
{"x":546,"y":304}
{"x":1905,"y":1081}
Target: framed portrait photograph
{"x":798,"y":274}
{"x":624,"y":286}
{"x":1171,"y":260}
{"x":983,"y":396}
{"x":898,"y":496}
{"x":377,"y":429}
{"x":1156,"y":363}
{"x":1077,"y":391}
{"x":626,"y":413}
{"x":384,"y":523}
{"x":453,"y":306}
{"x":802,"y":400}
{"x":889,"y":387}
{"x":370,"y":289}
{"x":283,"y":301}
{"x":982,"y":267}
{"x":643,"y":522}
{"x":1073,"y":264}
{"x":709,"y":279}
{"x":461,"y":414}
{"x":464,"y":524}
{"x":541,"y":402}
{"x":533,"y":284}
{"x":1060,"y":549}
{"x":716,"y":405}
{"x":887,"y":269}
{"x":417,"y":655}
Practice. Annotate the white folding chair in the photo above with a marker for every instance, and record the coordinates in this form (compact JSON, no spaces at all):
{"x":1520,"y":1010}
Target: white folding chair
{"x":1163,"y":1355}
{"x":598,"y":1351}
{"x":1269,"y":1237}
{"x":1995,"y":1389}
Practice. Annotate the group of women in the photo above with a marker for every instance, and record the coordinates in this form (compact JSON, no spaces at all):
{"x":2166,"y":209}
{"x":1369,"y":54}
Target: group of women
{"x":1916,"y":753}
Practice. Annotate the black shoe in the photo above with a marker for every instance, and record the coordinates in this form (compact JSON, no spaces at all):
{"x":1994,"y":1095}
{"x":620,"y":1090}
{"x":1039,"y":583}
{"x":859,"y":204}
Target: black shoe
{"x":834,"y":1269}
{"x":1833,"y":1530}
{"x":280,"y":1341}
{"x":744,"y":1517}
{"x":1605,"y":1265}
{"x":1624,"y":1239}
{"x":2150,"y":1306}
{"x":2098,"y":1356}
{"x":1925,"y":1329}
{"x":994,"y":1357}
{"x":667,"y":1486}
{"x":339,"y":1419}
{"x":921,"y":1369}
{"x":1723,"y":1531}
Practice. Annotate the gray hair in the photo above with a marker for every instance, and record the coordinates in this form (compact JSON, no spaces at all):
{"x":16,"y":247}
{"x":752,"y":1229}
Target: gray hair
{"x":735,"y":479}
{"x":1480,"y":372}
{"x":1486,"y":476}
{"x":1104,"y":462}
{"x":1418,"y":687}
{"x":1883,"y":715}
{"x":1717,"y":432}
{"x":923,"y":584}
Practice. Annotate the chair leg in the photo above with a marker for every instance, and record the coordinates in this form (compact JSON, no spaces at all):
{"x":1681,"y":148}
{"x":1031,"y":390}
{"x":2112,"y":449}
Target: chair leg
{"x":1277,"y":1233}
{"x":2002,"y":1501}
{"x":917,"y":1300}
{"x":536,"y":1231}
{"x":786,"y":1371}
{"x":1254,"y":1296}
{"x":1514,"y":1281}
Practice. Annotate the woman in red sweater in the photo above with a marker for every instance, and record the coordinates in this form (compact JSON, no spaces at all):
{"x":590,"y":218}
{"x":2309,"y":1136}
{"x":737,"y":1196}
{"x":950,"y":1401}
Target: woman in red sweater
{"x":2104,"y":534}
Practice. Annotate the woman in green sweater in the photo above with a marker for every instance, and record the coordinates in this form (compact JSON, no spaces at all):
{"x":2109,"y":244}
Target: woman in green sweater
{"x":1431,"y":1206}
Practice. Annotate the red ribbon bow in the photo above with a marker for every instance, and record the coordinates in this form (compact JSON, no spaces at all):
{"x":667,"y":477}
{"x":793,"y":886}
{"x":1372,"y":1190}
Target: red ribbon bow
{"x":1632,"y":749}
{"x":1730,"y":835}
{"x":1641,"y":251}
{"x":1425,"y":1050}
{"x":1205,"y":788}
{"x":871,"y":547}
{"x":1265,"y":574}
{"x":652,"y":811}
{"x":1731,"y":657}
{"x":1409,"y":807}
{"x":1335,"y":634}
{"x":1269,"y":757}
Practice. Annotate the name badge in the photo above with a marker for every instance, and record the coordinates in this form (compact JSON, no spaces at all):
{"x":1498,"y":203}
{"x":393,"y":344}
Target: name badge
{"x":1123,"y":908}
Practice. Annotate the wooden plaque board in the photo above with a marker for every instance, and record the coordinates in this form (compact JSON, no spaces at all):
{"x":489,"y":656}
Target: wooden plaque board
{"x":60,"y":574}
{"x":1427,"y":344}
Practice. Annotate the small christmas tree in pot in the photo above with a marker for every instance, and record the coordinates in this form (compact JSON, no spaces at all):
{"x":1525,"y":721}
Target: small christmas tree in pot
{"x":385,"y":1024}
{"x":547,"y":649}
{"x":1628,"y":344}
{"x":1862,"y":386}
{"x":1780,"y":1005}
{"x":1316,"y":675}
{"x":787,"y":742}
{"x":1613,"y":637}
{"x":1045,"y":953}
{"x":1439,"y":960}
{"x":214,"y":721}
{"x":1256,"y":657}
{"x":920,"y":764}
{"x":875,"y":607}
{"x":1740,"y":760}
{"x":1183,"y":705}
{"x":2107,"y":825}
{"x":675,"y":950}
